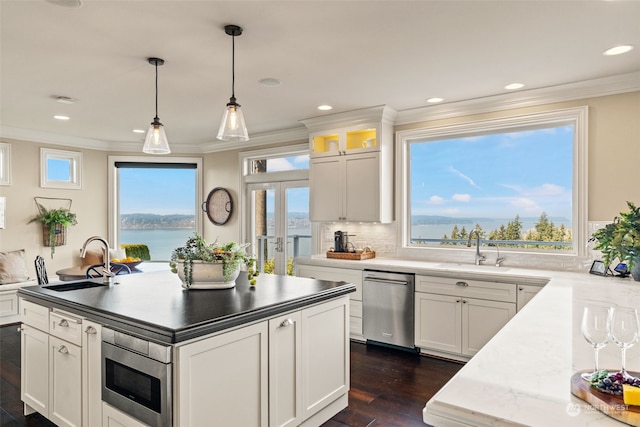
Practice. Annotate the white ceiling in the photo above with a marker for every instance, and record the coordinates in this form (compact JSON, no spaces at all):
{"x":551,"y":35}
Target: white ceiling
{"x":350,"y":54}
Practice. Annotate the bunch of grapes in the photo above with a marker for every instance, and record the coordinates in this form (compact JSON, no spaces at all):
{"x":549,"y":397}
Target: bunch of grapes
{"x":612,"y":383}
{"x":251,"y":275}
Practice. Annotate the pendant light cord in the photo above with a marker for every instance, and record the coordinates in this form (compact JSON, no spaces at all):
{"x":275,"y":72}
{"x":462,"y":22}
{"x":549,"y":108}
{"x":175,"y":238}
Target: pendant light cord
{"x":233,"y":66}
{"x":156,"y":62}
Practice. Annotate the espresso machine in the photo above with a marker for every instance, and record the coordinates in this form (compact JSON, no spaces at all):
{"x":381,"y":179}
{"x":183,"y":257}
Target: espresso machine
{"x":341,"y":241}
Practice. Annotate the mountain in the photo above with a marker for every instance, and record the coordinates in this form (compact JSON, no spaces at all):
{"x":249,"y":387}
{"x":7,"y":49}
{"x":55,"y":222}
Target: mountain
{"x":145,"y":221}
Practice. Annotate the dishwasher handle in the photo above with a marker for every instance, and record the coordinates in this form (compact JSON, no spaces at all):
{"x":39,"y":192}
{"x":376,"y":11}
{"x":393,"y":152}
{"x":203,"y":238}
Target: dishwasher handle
{"x":389,"y":281}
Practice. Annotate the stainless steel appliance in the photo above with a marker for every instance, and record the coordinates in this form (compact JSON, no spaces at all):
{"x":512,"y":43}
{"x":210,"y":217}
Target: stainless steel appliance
{"x":137,"y":377}
{"x":339,"y":241}
{"x":388,"y":308}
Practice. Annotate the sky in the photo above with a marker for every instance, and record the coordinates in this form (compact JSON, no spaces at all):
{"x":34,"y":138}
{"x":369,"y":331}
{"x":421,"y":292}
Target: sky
{"x":502,"y":175}
{"x":163,"y":191}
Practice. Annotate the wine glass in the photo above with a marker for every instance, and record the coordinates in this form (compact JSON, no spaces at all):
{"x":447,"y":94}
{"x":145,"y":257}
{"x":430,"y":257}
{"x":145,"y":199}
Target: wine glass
{"x":625,"y":330}
{"x":595,"y":329}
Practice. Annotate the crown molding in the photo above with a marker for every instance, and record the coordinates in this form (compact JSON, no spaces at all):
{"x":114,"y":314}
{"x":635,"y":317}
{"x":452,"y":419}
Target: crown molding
{"x":605,"y":86}
{"x":53,"y":138}
{"x":296,"y":134}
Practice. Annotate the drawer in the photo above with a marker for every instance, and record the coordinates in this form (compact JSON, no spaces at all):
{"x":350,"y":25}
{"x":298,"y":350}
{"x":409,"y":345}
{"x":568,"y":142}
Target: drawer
{"x":65,"y":326}
{"x":355,"y":325}
{"x":35,"y":315}
{"x":334,"y":274}
{"x":495,"y":291}
{"x":8,"y":303}
{"x":355,"y":308}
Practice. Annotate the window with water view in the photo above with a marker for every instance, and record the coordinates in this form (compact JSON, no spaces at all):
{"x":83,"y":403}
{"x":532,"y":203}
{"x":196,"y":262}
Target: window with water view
{"x":515,"y":187}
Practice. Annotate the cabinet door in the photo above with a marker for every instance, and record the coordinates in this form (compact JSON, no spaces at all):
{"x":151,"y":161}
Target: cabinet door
{"x":325,"y":189}
{"x":112,"y":417}
{"x":65,"y":383}
{"x":438,"y":322}
{"x":481,"y":320}
{"x":362,"y":187}
{"x":34,"y":373}
{"x":325,"y":354}
{"x":525,"y":294}
{"x":223,"y":380}
{"x":284,"y":370}
{"x":91,"y":373}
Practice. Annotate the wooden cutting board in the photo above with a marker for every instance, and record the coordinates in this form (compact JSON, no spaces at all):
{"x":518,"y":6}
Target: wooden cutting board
{"x":609,"y":404}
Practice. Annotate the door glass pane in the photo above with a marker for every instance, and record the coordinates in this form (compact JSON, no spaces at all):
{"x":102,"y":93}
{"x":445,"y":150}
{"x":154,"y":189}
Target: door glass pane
{"x":263,"y":202}
{"x":298,"y":226}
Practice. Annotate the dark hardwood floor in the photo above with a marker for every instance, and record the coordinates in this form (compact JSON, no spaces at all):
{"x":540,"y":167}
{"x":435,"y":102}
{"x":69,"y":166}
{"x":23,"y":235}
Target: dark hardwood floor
{"x":389,"y":387}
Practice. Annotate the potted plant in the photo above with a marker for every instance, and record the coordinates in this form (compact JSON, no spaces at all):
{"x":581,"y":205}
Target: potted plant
{"x":621,"y":240}
{"x":54,"y":225}
{"x":211,"y":265}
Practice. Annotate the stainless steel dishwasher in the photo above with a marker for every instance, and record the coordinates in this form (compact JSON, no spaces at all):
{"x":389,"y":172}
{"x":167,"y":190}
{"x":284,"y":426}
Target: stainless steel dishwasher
{"x":388,"y":309}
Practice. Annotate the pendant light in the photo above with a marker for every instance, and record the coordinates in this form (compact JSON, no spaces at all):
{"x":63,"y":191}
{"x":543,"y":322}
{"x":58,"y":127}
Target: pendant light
{"x":156,"y":140}
{"x":232,"y":126}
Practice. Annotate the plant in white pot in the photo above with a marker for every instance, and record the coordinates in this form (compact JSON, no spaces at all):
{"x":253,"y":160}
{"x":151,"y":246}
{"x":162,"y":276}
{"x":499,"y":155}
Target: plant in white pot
{"x":202,"y":265}
{"x":621,"y":240}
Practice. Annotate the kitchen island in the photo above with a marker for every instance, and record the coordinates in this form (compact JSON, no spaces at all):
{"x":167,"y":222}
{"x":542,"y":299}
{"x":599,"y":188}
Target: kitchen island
{"x":247,"y":355}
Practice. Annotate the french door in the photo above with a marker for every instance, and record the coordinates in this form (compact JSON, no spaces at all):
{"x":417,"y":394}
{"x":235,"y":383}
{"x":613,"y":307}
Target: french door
{"x":279,"y":224}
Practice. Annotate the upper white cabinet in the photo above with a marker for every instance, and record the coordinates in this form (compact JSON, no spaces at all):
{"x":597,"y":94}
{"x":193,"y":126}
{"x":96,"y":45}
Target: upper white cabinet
{"x":351,"y":167}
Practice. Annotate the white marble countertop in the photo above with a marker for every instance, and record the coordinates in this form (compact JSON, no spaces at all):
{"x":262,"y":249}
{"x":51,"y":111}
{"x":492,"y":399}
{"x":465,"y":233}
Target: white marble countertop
{"x":522,"y":376}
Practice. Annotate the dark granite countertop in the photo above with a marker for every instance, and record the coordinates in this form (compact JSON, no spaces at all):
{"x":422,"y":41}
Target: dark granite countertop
{"x":155,"y":306}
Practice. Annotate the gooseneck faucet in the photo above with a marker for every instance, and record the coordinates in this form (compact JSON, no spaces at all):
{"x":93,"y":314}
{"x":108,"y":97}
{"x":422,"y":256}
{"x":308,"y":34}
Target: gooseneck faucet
{"x":107,"y":276}
{"x":479,"y":257}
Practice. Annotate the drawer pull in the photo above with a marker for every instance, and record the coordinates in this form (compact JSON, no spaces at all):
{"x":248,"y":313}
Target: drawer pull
{"x":91,"y":330}
{"x":64,"y":323}
{"x":457,"y":301}
{"x":286,"y":322}
{"x":462,"y":284}
{"x":63,"y":349}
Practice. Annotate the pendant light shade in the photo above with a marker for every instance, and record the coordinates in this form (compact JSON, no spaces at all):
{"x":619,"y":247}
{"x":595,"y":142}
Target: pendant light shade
{"x":156,"y":141}
{"x":232,"y":126}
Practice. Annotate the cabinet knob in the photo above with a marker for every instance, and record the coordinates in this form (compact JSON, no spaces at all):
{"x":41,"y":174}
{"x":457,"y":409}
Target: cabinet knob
{"x":91,"y":330}
{"x":521,"y":288}
{"x":64,"y":323}
{"x":462,"y":284}
{"x":63,"y":349}
{"x":286,"y":322}
{"x":457,"y":301}
{"x":19,"y":329}
{"x":464,"y":301}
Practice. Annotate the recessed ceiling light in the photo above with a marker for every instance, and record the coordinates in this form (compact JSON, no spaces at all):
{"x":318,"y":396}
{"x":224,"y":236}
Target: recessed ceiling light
{"x":61,"y":117}
{"x":618,"y":50}
{"x":64,"y":99}
{"x":270,"y":82}
{"x":66,"y":3}
{"x":514,"y":86}
{"x":434,"y":100}
{"x":325,"y":107}
{"x":138,"y":131}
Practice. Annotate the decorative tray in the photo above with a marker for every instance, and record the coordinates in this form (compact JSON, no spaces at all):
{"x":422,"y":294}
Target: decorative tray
{"x":609,"y":404}
{"x":356,"y":256}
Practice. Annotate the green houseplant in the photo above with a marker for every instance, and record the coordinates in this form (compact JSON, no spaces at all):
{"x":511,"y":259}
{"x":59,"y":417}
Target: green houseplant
{"x":54,"y":225}
{"x":197,"y":252}
{"x":621,"y":240}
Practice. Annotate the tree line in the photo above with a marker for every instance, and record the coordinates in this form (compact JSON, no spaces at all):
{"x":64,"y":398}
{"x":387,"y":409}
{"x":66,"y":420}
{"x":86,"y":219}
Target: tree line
{"x":544,"y":230}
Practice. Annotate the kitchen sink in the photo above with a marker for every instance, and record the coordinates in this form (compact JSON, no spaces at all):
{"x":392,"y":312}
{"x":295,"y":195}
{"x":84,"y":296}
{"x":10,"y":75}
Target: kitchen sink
{"x":72,"y":286}
{"x":472,"y":267}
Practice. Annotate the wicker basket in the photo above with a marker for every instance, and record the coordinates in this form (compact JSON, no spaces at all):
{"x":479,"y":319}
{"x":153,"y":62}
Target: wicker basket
{"x":355,"y":256}
{"x":60,"y":235}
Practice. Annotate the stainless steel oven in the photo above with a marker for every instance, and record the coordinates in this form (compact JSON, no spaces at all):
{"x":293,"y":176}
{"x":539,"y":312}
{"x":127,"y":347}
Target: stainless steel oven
{"x":137,"y":377}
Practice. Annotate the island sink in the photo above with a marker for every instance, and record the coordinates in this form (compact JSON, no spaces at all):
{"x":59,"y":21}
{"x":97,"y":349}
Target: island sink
{"x":72,"y":286}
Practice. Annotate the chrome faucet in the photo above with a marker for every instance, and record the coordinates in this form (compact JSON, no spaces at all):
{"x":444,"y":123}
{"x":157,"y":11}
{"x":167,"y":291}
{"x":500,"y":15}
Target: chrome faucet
{"x":479,"y":257}
{"x":107,"y":275}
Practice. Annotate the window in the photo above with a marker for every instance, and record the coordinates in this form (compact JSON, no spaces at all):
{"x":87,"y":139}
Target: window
{"x":60,"y":169}
{"x":520,"y":181}
{"x":154,"y":202}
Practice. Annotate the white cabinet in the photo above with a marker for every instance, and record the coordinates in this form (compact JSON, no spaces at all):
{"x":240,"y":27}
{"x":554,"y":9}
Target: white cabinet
{"x":526,"y":293}
{"x":91,"y":373}
{"x":355,"y":298}
{"x":285,"y":371}
{"x":112,"y":417}
{"x":351,"y":167}
{"x":223,"y":380}
{"x":60,"y":371}
{"x":348,"y":188}
{"x":457,"y":317}
{"x":9,"y":307}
